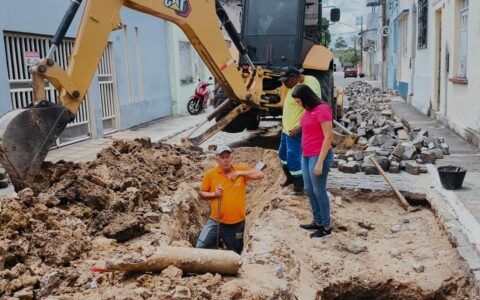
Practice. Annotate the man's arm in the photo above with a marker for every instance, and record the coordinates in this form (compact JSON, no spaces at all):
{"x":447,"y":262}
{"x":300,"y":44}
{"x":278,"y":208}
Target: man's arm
{"x":252,"y":174}
{"x":204,"y":195}
{"x":205,"y":187}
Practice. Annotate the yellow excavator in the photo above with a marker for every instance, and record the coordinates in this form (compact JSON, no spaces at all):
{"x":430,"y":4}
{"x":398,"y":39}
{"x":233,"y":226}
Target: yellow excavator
{"x":250,"y":86}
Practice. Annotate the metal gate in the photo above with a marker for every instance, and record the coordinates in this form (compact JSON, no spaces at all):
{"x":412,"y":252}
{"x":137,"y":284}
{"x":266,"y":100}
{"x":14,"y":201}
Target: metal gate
{"x":21,"y":51}
{"x":108,"y":96}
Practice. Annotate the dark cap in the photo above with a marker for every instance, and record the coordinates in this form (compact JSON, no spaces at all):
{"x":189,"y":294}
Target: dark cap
{"x":290,"y":72}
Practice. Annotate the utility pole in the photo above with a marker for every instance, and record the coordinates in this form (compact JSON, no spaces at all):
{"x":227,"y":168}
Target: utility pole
{"x":355,"y":47}
{"x":320,"y":20}
{"x":360,"y":23}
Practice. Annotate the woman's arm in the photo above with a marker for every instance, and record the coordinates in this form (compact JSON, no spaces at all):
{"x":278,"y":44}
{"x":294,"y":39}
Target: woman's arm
{"x":327,"y":128}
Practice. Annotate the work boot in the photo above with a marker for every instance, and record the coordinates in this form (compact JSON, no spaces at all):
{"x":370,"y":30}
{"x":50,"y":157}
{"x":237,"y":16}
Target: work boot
{"x":289,"y":176}
{"x":297,"y":186}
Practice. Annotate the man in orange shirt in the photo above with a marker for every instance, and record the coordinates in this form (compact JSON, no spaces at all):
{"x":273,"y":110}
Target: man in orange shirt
{"x":227,"y":183}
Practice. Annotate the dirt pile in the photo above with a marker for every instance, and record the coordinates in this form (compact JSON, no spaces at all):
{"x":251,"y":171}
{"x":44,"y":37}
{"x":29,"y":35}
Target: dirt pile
{"x":137,"y":196}
{"x":133,"y":189}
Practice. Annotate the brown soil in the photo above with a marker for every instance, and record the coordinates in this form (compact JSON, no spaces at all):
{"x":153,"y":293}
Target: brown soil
{"x":137,"y":196}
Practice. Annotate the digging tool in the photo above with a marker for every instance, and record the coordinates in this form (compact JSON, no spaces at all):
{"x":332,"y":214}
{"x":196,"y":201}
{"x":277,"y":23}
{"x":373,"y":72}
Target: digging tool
{"x":27,"y":134}
{"x":219,"y":209}
{"x":189,"y":260}
{"x":342,"y":127}
{"x":402,"y":199}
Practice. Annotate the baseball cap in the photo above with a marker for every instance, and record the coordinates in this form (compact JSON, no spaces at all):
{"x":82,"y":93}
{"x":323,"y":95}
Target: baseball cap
{"x":223,"y":148}
{"x":290,"y":72}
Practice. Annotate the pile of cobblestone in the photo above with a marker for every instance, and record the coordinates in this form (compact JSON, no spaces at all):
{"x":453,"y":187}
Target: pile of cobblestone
{"x":391,"y":140}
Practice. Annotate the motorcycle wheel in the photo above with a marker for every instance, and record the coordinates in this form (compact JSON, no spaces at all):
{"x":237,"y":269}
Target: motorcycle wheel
{"x":194,"y":106}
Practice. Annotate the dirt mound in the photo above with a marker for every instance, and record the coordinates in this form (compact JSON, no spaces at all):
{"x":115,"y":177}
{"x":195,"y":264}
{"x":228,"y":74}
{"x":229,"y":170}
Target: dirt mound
{"x":137,"y":196}
{"x":129,"y":191}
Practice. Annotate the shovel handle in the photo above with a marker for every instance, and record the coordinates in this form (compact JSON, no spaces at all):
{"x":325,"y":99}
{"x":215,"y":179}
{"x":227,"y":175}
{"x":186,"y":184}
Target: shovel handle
{"x":400,"y":197}
{"x":219,"y":207}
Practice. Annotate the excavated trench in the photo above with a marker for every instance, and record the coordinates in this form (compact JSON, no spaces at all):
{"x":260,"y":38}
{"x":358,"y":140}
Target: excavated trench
{"x":137,"y":196}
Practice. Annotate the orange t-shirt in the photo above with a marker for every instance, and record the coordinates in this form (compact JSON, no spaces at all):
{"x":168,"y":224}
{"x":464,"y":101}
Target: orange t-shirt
{"x":234,"y":194}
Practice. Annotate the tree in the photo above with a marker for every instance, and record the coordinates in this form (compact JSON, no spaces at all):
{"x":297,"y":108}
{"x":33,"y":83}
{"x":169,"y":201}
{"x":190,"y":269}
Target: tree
{"x":326,"y":38}
{"x":340,"y":43}
{"x":349,"y":57}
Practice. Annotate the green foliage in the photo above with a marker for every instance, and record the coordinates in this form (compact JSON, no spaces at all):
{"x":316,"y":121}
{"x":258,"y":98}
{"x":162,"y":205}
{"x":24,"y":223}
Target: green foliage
{"x":347,"y":56}
{"x":340,"y":43}
{"x":326,"y":36}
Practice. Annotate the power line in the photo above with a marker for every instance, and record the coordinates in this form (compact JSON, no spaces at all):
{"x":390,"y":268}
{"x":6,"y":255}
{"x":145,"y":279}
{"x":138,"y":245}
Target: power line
{"x":342,"y":33}
{"x":349,"y":26}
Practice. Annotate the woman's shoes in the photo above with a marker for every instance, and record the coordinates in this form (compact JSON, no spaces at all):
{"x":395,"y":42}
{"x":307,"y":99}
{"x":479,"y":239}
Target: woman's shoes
{"x":321,"y":233}
{"x":311,"y":226}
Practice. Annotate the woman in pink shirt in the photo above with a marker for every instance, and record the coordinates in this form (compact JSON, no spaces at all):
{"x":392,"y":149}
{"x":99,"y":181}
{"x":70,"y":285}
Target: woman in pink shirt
{"x":317,"y":134}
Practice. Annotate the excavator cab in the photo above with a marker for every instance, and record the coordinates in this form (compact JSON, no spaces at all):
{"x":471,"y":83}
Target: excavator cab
{"x":273,"y":32}
{"x":278,"y":34}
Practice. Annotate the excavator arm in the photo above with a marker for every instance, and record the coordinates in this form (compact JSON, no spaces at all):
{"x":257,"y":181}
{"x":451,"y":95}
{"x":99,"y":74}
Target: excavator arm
{"x":27,"y":134}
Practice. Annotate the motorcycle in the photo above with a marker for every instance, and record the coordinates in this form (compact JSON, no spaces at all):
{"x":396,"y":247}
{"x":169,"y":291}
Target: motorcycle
{"x":198,"y":102}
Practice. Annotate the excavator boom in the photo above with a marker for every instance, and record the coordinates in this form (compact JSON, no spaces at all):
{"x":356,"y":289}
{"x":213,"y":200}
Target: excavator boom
{"x":26,"y":135}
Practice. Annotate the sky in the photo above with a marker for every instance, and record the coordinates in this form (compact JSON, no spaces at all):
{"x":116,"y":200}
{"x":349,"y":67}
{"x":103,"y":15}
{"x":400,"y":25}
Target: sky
{"x":350,"y":9}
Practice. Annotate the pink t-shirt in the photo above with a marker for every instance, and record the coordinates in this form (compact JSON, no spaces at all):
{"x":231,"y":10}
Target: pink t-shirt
{"x":312,"y":134}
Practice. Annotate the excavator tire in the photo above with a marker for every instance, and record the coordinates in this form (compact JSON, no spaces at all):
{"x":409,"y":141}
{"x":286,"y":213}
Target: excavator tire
{"x":249,"y":120}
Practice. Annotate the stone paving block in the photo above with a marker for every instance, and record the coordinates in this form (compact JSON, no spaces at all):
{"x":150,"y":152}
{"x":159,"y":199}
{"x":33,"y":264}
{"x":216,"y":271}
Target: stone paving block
{"x":394,"y":167}
{"x":409,"y":152}
{"x":398,"y":151}
{"x":412,"y":167}
{"x":438,"y":153}
{"x":428,"y":157}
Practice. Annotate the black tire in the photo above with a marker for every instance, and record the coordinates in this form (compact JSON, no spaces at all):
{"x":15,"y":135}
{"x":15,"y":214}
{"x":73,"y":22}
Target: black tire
{"x":253,"y":121}
{"x":194,"y":106}
{"x":3,"y":183}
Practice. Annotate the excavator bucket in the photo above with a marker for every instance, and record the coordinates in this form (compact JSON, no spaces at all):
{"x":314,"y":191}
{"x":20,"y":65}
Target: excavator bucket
{"x":25,"y":138}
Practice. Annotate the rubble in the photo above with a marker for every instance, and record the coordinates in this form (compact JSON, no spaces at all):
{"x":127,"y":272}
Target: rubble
{"x":381,"y":133}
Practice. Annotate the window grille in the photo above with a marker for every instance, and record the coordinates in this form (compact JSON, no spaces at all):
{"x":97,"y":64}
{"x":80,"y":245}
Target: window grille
{"x":463,"y":38}
{"x":422,"y":24}
{"x":18,"y":46}
{"x":108,"y":97}
{"x":186,"y":63}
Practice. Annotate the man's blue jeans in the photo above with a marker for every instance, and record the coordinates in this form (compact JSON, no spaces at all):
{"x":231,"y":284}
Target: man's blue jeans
{"x":316,"y":187}
{"x":290,"y":153}
{"x":230,"y":234}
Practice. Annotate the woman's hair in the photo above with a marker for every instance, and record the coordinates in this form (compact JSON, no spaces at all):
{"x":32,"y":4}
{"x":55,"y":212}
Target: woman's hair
{"x":307,"y":96}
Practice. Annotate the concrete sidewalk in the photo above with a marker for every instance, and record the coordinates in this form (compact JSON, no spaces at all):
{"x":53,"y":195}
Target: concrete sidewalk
{"x":157,"y":130}
{"x":461,"y":153}
{"x":459,"y":209}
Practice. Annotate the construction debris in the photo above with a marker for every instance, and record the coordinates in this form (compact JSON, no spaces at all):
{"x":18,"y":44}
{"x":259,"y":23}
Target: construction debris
{"x":391,"y":140}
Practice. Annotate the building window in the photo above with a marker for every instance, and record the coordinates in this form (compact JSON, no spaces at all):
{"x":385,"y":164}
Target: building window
{"x":422,"y":24}
{"x":463,"y":38}
{"x":186,"y":63}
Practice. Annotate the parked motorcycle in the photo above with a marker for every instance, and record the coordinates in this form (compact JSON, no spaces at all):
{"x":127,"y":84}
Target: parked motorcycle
{"x":198,"y":102}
